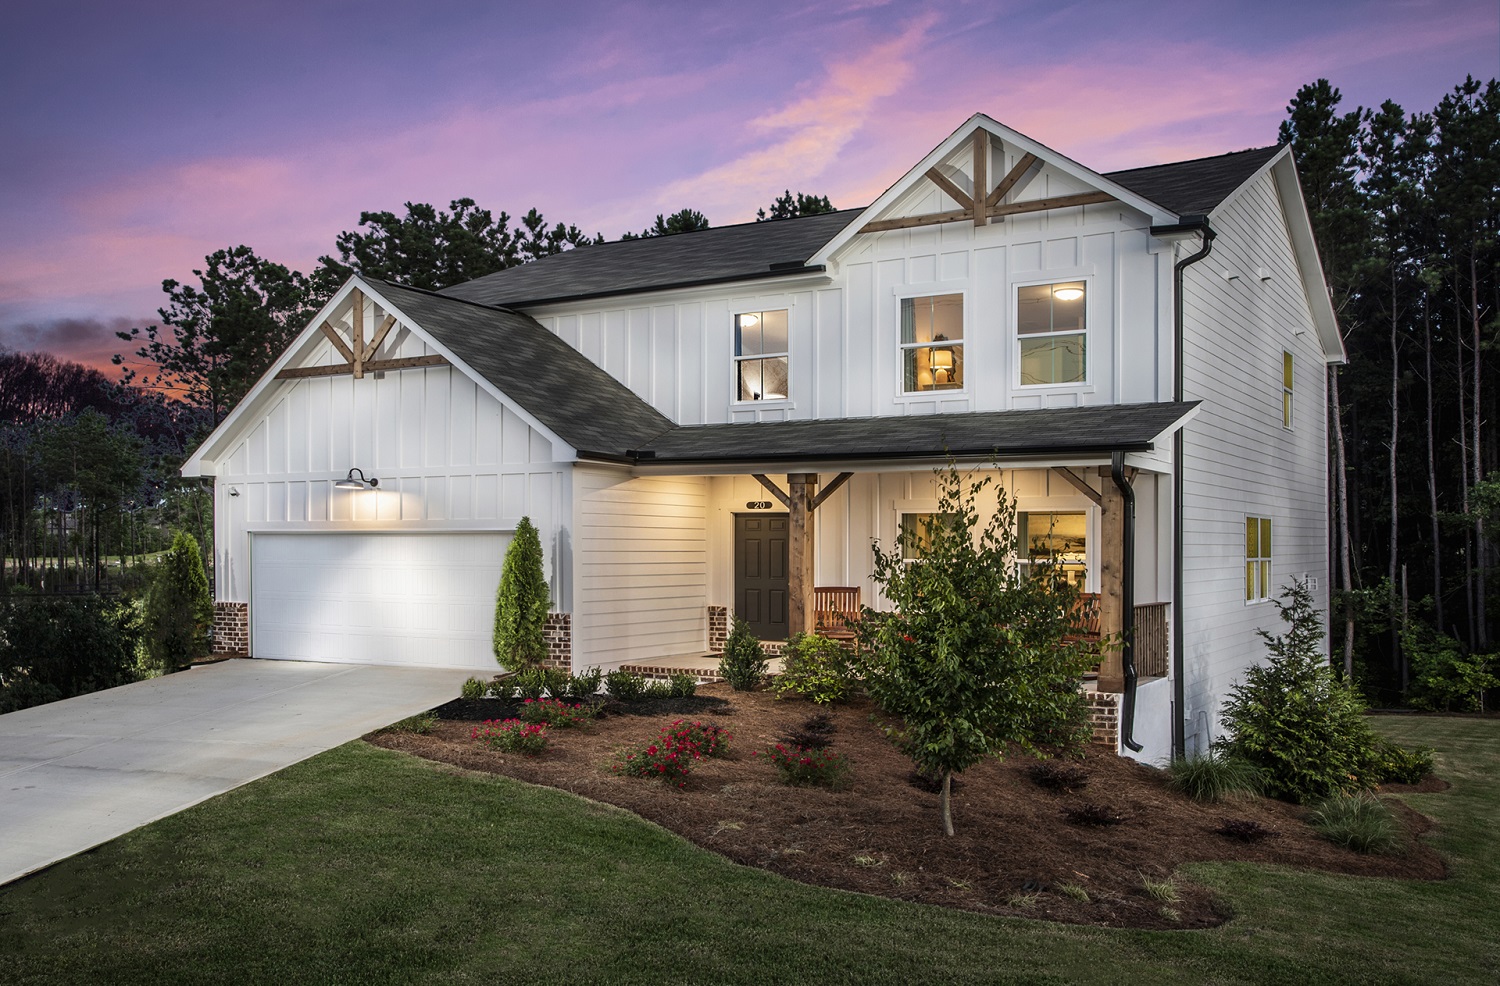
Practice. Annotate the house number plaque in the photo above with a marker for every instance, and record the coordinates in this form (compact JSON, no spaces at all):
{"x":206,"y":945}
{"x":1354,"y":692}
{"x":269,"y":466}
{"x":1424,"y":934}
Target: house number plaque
{"x":758,"y":505}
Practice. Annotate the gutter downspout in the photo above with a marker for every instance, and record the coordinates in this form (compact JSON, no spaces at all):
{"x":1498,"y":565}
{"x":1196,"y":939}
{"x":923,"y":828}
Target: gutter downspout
{"x":1179,"y":696}
{"x":1127,"y":602}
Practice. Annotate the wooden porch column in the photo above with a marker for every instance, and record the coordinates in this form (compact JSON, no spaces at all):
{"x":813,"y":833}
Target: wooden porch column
{"x":1111,"y":579}
{"x":802,"y":490}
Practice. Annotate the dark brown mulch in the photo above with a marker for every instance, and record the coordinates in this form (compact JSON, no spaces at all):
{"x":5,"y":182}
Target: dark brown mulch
{"x":1014,"y":850}
{"x":481,"y":709}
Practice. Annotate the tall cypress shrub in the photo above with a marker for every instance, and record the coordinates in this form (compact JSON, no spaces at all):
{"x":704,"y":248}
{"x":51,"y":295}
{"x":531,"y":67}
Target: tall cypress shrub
{"x":179,"y":607}
{"x":521,"y":602}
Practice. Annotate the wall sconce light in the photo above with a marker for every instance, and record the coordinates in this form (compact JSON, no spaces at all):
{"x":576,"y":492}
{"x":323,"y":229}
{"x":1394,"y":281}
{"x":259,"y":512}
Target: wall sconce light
{"x":234,"y":491}
{"x":350,"y":483}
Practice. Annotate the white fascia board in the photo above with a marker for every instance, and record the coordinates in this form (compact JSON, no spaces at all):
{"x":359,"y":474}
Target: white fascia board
{"x":204,"y":461}
{"x":958,"y":138}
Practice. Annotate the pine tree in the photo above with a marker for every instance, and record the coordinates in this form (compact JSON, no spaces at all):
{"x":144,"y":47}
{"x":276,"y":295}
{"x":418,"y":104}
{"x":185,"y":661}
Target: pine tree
{"x":521,"y":602}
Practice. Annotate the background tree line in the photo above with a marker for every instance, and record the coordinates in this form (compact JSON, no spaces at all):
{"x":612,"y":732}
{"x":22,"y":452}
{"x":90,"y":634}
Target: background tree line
{"x":1406,"y":208}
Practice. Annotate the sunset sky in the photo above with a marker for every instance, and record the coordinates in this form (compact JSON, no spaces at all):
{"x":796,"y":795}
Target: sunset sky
{"x":140,"y":136}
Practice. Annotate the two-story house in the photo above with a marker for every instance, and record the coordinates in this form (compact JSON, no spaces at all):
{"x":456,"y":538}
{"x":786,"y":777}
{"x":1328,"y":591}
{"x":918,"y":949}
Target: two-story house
{"x":723,"y":421}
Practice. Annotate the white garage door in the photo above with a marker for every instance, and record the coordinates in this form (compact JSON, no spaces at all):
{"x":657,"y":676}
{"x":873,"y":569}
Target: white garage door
{"x":414,"y":599}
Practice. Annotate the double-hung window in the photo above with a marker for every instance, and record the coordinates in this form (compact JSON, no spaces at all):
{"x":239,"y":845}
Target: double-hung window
{"x":1286,"y":389}
{"x":932,"y":343}
{"x":1257,"y":559}
{"x":760,"y":356}
{"x":1053,"y":538}
{"x":1051,"y":323}
{"x":915,"y":533}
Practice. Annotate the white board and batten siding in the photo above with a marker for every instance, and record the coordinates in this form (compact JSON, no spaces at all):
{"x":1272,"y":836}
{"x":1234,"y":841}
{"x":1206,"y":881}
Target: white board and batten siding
{"x":1239,"y":459}
{"x":450,"y":459}
{"x":640,"y":587}
{"x":674,"y":349}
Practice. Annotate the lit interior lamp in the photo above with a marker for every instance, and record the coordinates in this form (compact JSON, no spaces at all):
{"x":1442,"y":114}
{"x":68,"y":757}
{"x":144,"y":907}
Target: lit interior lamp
{"x":350,"y":483}
{"x":1068,"y":294}
{"x":749,"y":320}
{"x":941,"y":361}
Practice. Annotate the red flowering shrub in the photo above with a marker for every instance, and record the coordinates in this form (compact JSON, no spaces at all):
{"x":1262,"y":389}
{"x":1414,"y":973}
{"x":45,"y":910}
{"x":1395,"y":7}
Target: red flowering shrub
{"x":512,"y":736}
{"x":555,"y":712}
{"x":670,"y":757}
{"x":803,"y":767}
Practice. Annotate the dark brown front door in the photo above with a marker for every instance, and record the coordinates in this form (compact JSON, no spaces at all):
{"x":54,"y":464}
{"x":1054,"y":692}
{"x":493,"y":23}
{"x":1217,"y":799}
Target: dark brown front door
{"x":760,"y":573}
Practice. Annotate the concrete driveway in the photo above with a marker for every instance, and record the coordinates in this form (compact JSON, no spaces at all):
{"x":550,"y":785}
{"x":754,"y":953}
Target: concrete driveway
{"x":80,"y":772}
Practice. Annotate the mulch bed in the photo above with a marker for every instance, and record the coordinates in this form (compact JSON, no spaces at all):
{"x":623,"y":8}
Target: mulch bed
{"x":1015,"y":849}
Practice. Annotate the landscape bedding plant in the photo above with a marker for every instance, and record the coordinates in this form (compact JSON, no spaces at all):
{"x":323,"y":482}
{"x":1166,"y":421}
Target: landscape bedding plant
{"x":736,"y":807}
{"x":556,"y":712}
{"x":671,"y":756}
{"x":800,"y":766}
{"x":513,"y":736}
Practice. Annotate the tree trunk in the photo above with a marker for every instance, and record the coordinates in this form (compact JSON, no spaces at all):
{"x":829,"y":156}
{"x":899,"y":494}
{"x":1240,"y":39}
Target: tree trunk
{"x":1482,"y":639}
{"x":947,"y":802}
{"x":1432,"y":490}
{"x":1463,"y":479}
{"x":1341,"y":503}
{"x":1391,"y":466}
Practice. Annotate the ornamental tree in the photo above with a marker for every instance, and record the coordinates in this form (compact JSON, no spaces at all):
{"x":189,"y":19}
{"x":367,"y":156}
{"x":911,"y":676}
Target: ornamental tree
{"x":974,"y":656}
{"x":179,"y":607}
{"x":521,"y":602}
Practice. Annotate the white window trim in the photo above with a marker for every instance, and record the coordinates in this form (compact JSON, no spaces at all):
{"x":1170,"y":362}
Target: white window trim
{"x":734,"y":361}
{"x":928,"y":290}
{"x":1289,"y":394}
{"x":1269,"y":558}
{"x":1086,"y":385}
{"x":1070,"y":505}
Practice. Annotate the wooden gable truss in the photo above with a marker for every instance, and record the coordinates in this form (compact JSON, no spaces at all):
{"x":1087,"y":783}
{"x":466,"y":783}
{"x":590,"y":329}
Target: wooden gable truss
{"x":359,"y":353}
{"x":985,"y":203}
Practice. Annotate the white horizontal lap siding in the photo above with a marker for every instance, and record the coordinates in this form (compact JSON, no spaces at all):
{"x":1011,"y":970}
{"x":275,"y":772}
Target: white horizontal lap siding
{"x":449,"y":457}
{"x":1239,"y":459}
{"x":424,"y":600}
{"x":640,"y":576}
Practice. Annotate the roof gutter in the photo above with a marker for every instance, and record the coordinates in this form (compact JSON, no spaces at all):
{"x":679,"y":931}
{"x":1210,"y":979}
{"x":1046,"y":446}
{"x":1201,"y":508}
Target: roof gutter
{"x":650,"y":458}
{"x":1199,"y":225}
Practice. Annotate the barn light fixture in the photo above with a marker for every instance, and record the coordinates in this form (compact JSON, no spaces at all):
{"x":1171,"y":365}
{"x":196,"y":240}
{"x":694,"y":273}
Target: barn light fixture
{"x":350,"y":483}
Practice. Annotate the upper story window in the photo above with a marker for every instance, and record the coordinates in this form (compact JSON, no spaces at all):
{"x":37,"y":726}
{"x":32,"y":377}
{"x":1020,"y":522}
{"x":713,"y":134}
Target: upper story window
{"x":760,"y":356}
{"x":1051,"y":326}
{"x":1286,"y":389}
{"x":932,"y":349}
{"x":1257,"y":559}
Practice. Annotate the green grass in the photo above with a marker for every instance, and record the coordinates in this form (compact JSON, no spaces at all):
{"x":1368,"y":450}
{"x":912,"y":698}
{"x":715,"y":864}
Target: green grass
{"x":365,"y":866}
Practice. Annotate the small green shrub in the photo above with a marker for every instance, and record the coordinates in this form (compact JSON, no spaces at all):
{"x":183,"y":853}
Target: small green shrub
{"x":657,"y":689}
{"x":555,"y":712}
{"x":626,"y":686}
{"x":503,"y":688}
{"x":583,"y":686}
{"x":472,"y":689}
{"x":744,"y":662}
{"x":1398,"y":765}
{"x":816,"y":668}
{"x":1294,"y":720}
{"x":808,"y":768}
{"x":531,"y":683}
{"x":512,"y":736}
{"x":1357,"y":821}
{"x":558,"y":681}
{"x":1214,"y":777}
{"x":1445,"y":675}
{"x":709,"y":739}
{"x":683,"y":685}
{"x":179,"y":607}
{"x":421,"y":724}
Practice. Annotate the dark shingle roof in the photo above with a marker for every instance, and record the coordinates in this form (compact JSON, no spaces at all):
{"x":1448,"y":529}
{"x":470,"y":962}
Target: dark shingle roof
{"x":1194,"y":187}
{"x":710,"y":256}
{"x":1005,"y":434}
{"x":581,"y":403}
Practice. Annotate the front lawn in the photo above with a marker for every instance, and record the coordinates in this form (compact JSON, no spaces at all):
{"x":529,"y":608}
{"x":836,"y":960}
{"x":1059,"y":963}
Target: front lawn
{"x":363,"y":865}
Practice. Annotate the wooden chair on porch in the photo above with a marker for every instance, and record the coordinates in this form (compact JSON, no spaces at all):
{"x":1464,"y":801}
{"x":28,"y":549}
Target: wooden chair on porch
{"x":834,"y":607}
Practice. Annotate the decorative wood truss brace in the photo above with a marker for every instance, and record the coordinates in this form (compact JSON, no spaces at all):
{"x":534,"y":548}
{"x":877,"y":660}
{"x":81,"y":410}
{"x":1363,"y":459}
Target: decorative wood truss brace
{"x":359,"y":353}
{"x":801,"y":498}
{"x":983,"y":206}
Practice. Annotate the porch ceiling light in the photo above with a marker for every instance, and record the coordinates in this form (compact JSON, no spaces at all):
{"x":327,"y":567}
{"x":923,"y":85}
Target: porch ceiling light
{"x":350,"y":483}
{"x":1068,"y":294}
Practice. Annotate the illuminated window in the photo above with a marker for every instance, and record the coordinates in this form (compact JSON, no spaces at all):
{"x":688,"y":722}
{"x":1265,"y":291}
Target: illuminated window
{"x":932,"y":351}
{"x":1059,"y":539}
{"x":1052,"y":330}
{"x":1257,"y":559}
{"x":915,"y":534}
{"x":760,"y":356}
{"x":1286,"y":390}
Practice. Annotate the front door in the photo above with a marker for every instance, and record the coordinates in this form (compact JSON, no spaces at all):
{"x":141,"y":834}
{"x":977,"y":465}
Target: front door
{"x":760,"y":573}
